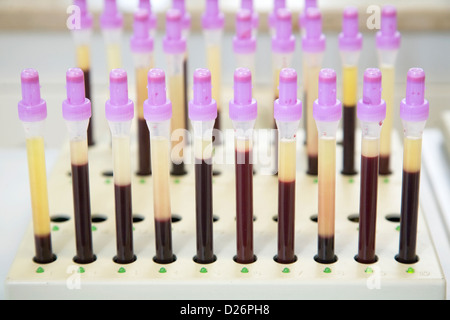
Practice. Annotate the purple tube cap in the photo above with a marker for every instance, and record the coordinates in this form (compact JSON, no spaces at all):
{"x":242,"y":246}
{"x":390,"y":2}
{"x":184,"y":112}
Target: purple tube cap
{"x":287,"y":107}
{"x":388,"y":38}
{"x":31,"y":108}
{"x":350,"y":39}
{"x":119,"y":108}
{"x":140,"y":41}
{"x":174,"y":42}
{"x":157,"y":107}
{"x":313,"y":40}
{"x":203,"y":107}
{"x":86,"y":19}
{"x":327,"y":108}
{"x":212,"y":18}
{"x":76,"y":107}
{"x":371,"y":108}
{"x":414,"y":107}
{"x":111,"y":18}
{"x":283,"y":41}
{"x":243,"y":107}
{"x":244,"y":42}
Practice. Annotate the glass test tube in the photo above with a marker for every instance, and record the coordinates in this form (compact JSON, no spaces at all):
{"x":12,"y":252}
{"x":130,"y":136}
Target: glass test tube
{"x":371,"y":112}
{"x":76,"y":112}
{"x":327,"y":112}
{"x":213,"y":23}
{"x":277,"y":4}
{"x":158,"y":111}
{"x":414,"y":112}
{"x":142,"y":48}
{"x":244,"y":43}
{"x":388,"y":43}
{"x":175,"y":49}
{"x":33,"y":112}
{"x":350,"y":45}
{"x":111,"y":22}
{"x":287,"y":113}
{"x":243,"y":113}
{"x":313,"y":44}
{"x":203,"y":113}
{"x":82,"y":39}
{"x":119,"y":113}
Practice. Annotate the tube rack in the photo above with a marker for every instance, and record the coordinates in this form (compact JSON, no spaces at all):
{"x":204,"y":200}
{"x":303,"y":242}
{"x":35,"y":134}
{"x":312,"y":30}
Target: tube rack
{"x":226,"y":279}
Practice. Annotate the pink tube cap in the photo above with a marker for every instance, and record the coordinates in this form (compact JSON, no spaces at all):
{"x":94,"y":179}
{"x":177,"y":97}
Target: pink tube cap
{"x":111,"y":18}
{"x":157,"y":107}
{"x":31,"y":108}
{"x":371,"y":108}
{"x":119,"y":108}
{"x":287,"y":107}
{"x":212,"y":18}
{"x":243,"y":107}
{"x":244,"y":41}
{"x":313,"y":40}
{"x":141,"y":41}
{"x":414,"y":107}
{"x":283,"y":41}
{"x":76,"y":107}
{"x":277,"y":4}
{"x":308,"y":4}
{"x":203,"y":107}
{"x":248,"y":4}
{"x":186,"y":20}
{"x":146,"y":5}
{"x":388,"y":38}
{"x":327,"y":108}
{"x":350,"y":39}
{"x":85,"y":16}
{"x":173,"y":41}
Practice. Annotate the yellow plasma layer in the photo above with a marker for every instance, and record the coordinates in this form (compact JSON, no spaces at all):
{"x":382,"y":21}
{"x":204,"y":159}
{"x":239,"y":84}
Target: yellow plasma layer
{"x":350,"y":85}
{"x":287,"y":155}
{"x":161,"y":177}
{"x":370,"y":147}
{"x":114,"y":56}
{"x":203,"y":148}
{"x":122,"y":161}
{"x":312,"y":93}
{"x":214,"y":66}
{"x":178,"y":121}
{"x":79,"y":152}
{"x":142,"y":92}
{"x":83,"y":57}
{"x":327,"y":186}
{"x":388,"y":85}
{"x":38,"y":186}
{"x":412,"y":154}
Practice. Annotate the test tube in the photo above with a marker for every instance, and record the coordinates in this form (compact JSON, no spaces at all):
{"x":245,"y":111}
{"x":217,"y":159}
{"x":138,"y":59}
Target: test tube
{"x":371,"y":111}
{"x":174,"y":46}
{"x":76,"y":112}
{"x":243,"y":113}
{"x":119,"y":113}
{"x":350,"y":45}
{"x":313,"y":43}
{"x":327,"y":112}
{"x":287,"y":113}
{"x":301,"y":17}
{"x":142,"y":48}
{"x":158,"y":111}
{"x":244,"y":43}
{"x":388,"y":43}
{"x":152,"y":20}
{"x":111,"y":22}
{"x":32,"y":113}
{"x":248,"y":5}
{"x":213,"y":23}
{"x":82,"y":39}
{"x":203,"y":113}
{"x":277,"y":4}
{"x":414,"y":112}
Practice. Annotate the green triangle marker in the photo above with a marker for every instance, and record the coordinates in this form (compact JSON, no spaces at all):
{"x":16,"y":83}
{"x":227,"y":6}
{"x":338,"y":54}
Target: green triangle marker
{"x":398,"y":228}
{"x":368,"y":270}
{"x":55,"y":228}
{"x":410,"y":270}
{"x":327,"y":270}
{"x":40,"y":270}
{"x":81,"y":270}
{"x":122,"y":270}
{"x":203,"y":270}
{"x":94,"y":228}
{"x":177,"y":181}
{"x":142,"y":181}
{"x":351,"y":180}
{"x":244,"y":270}
{"x":286,"y":270}
{"x":162,"y":270}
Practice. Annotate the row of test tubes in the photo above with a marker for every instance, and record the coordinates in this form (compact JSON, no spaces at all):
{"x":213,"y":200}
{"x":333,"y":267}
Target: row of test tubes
{"x":327,"y":111}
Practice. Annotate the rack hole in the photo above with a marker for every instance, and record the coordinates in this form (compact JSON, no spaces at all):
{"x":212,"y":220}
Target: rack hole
{"x":59,"y":218}
{"x":176,"y":218}
{"x":215,"y":218}
{"x":394,"y":217}
{"x":138,"y":218}
{"x":314,"y":218}
{"x":108,"y":173}
{"x":98,"y":218}
{"x":354,"y":218}
{"x":275,"y":218}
